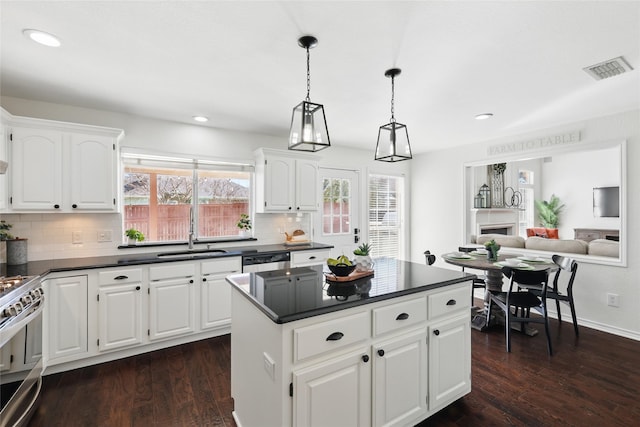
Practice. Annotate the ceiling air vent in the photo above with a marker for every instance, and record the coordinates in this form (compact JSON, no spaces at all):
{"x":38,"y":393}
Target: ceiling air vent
{"x":609,"y":68}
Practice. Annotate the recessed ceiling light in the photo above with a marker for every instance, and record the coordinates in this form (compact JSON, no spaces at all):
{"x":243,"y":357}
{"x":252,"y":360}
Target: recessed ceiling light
{"x":484,"y":116}
{"x":42,"y":38}
{"x":200,"y":119}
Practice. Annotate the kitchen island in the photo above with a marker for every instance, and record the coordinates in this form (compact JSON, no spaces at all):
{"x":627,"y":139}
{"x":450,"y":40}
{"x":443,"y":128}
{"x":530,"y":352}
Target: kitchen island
{"x":390,"y":349}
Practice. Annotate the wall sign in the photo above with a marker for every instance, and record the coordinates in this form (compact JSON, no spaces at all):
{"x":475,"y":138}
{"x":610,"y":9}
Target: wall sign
{"x":534,"y":144}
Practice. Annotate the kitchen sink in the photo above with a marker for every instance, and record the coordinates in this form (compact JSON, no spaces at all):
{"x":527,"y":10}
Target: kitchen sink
{"x":193,"y":253}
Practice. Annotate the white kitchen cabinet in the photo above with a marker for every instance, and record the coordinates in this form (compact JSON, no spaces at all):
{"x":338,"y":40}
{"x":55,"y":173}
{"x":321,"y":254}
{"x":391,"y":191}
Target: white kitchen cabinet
{"x":336,"y":392}
{"x":172,"y":308}
{"x":215,"y":292}
{"x":286,"y":182}
{"x":120,"y":308}
{"x":400,"y":379}
{"x":449,"y":360}
{"x":312,"y":257}
{"x":62,"y":167}
{"x":65,"y":321}
{"x":4,"y":156}
{"x":379,"y":364}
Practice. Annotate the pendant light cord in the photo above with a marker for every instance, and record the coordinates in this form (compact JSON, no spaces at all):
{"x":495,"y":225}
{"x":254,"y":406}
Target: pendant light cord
{"x":308,"y":75}
{"x":393,"y":119}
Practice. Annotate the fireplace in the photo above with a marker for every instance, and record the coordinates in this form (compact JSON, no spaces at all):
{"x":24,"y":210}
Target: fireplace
{"x":494,"y":221}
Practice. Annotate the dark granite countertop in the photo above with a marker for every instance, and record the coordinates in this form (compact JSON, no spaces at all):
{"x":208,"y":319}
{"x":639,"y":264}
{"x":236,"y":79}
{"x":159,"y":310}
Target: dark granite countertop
{"x":34,"y":268}
{"x":391,"y":279}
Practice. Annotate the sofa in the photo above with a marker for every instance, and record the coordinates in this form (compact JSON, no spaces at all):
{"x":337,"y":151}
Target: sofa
{"x":597,"y":247}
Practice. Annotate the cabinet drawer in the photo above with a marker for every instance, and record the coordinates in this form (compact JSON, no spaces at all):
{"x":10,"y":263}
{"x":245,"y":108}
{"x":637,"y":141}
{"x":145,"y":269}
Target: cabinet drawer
{"x":172,"y":271}
{"x":301,"y":258}
{"x":399,"y":315}
{"x":119,"y":276}
{"x":449,"y":301}
{"x":224,"y":265}
{"x":330,"y":335}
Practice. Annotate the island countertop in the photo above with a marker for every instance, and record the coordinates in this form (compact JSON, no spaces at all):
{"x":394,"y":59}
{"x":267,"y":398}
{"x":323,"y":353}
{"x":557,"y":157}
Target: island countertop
{"x":297,"y":293}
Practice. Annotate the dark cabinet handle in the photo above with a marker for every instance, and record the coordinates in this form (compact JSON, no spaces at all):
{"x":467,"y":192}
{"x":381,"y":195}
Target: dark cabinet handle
{"x":312,"y":257}
{"x":204,"y":279}
{"x":402,"y":316}
{"x":381,"y":352}
{"x":365,"y":358}
{"x":74,"y":206}
{"x":289,"y":207}
{"x":137,"y":288}
{"x":298,"y":208}
{"x":335,"y":336}
{"x":436,"y":332}
{"x":120,"y":277}
{"x":56,"y":206}
{"x":451,"y":302}
{"x":191,"y":281}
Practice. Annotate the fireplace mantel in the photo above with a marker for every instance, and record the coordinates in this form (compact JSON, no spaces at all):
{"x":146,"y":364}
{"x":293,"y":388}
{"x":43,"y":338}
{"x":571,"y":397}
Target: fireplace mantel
{"x":489,"y":219}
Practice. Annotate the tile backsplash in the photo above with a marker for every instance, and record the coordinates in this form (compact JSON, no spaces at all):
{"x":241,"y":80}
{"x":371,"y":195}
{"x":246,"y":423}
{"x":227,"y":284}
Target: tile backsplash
{"x":56,"y":236}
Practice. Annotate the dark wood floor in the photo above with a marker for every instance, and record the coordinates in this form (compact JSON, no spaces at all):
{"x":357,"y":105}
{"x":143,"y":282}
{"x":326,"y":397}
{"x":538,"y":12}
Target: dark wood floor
{"x":590,"y":381}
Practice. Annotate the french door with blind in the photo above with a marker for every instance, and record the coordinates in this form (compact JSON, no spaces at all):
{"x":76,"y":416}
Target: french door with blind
{"x":337,"y":223}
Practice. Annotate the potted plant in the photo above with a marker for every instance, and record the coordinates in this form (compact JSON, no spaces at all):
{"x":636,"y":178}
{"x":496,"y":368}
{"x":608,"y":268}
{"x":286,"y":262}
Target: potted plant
{"x":244,"y":224}
{"x":549,"y":212}
{"x":4,"y":230}
{"x":492,"y":250}
{"x":134,"y":236}
{"x":363,"y":260}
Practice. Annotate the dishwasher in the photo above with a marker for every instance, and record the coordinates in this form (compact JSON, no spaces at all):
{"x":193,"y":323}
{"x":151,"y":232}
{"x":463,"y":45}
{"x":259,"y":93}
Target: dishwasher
{"x":265,"y":262}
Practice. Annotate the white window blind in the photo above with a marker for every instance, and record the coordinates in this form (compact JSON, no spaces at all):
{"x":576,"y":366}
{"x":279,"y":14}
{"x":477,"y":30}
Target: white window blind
{"x":385,"y":195}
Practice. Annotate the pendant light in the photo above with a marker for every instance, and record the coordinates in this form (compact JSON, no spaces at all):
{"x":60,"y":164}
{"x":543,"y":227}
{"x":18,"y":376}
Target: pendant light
{"x":393,"y":138}
{"x":308,"y":123}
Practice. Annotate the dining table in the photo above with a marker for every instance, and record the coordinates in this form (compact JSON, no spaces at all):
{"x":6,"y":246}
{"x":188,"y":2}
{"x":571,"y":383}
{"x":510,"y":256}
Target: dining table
{"x":493,"y":275}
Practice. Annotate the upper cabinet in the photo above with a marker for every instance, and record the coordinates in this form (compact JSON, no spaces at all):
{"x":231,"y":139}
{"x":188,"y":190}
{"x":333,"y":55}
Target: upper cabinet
{"x":62,"y":167}
{"x":286,"y":182}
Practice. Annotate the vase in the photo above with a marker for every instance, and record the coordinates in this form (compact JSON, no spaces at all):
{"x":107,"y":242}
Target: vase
{"x":16,"y":251}
{"x":132,"y":241}
{"x":363,"y":263}
{"x":492,"y":254}
{"x":244,"y":233}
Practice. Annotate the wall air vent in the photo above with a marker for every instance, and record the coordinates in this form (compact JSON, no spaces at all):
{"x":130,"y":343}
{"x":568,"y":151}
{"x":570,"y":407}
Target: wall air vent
{"x":609,"y":68}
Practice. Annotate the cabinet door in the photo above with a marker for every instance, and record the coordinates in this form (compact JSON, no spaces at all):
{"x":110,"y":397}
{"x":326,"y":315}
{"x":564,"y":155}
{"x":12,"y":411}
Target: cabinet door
{"x":66,"y":320}
{"x":119,"y":316}
{"x":92,"y":168}
{"x":4,"y":182}
{"x":36,"y":169}
{"x":33,"y":341}
{"x":400,"y":379}
{"x":215,"y":306}
{"x":334,"y":393}
{"x":279,"y":182}
{"x":171,"y":308}
{"x":306,"y":185}
{"x":450,"y":361}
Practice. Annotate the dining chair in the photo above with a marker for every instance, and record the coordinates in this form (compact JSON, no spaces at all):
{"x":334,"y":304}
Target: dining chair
{"x":522,"y":299}
{"x":570,"y":266}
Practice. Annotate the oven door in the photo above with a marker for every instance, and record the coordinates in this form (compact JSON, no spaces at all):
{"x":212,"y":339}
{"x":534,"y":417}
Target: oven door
{"x":20,"y":390}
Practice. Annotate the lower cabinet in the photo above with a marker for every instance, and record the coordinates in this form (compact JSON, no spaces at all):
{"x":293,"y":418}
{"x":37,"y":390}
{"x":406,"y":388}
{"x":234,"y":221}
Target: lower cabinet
{"x":334,"y":393}
{"x":215,"y":292}
{"x":171,"y":300}
{"x":66,"y":322}
{"x":119,"y":316}
{"x":391,"y":363}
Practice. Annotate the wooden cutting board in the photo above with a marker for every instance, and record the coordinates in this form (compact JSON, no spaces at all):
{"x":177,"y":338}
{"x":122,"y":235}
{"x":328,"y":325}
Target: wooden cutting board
{"x":355,"y":275}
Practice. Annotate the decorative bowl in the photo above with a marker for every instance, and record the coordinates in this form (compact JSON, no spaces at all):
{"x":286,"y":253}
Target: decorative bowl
{"x":342,"y":269}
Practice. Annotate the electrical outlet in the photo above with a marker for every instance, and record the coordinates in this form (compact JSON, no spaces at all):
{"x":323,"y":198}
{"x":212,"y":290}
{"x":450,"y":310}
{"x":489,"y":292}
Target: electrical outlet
{"x":76,"y":237}
{"x":104,"y":235}
{"x":613,"y":300}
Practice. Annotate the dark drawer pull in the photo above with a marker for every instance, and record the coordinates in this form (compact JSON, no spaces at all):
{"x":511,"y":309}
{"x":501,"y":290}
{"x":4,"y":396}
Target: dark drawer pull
{"x":365,"y":358}
{"x":381,"y":352}
{"x":436,"y":332}
{"x":120,"y":277}
{"x":312,"y":257}
{"x":402,"y":316}
{"x":335,"y":336}
{"x":137,"y":288}
{"x":451,"y":302}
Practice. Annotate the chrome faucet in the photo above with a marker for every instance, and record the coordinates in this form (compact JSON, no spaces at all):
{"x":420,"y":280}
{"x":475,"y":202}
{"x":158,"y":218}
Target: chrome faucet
{"x":191,"y":226}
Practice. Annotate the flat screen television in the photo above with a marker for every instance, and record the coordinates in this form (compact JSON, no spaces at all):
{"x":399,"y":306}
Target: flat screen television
{"x":606,"y":202}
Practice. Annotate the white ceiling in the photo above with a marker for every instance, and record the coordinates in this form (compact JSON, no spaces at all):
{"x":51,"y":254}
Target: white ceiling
{"x":239,"y":63}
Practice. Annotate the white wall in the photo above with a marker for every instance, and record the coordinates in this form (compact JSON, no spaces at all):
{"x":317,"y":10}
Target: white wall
{"x":439,"y":224}
{"x":50,"y":234}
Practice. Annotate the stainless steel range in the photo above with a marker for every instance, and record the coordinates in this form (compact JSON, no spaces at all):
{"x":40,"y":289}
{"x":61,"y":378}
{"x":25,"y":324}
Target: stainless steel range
{"x":21,"y":305}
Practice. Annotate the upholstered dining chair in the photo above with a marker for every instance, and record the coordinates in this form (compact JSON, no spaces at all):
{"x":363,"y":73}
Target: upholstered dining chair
{"x":521,"y":298}
{"x":568,"y":266}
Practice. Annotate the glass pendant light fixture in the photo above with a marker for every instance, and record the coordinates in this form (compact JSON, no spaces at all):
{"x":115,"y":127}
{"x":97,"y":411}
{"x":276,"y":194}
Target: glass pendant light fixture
{"x":308,"y":123}
{"x":393,"y":138}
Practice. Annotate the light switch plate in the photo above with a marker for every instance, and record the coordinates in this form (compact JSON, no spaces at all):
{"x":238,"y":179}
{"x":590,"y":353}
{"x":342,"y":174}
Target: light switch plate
{"x":104,"y":235}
